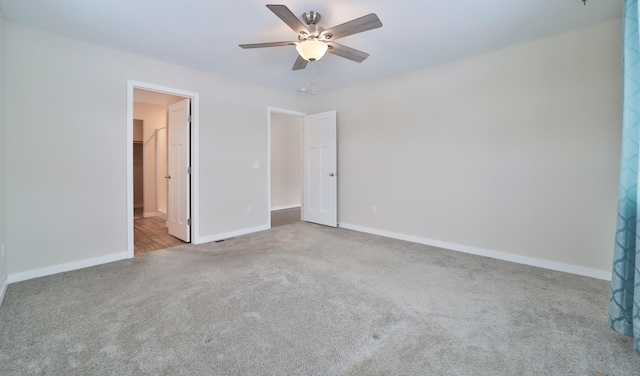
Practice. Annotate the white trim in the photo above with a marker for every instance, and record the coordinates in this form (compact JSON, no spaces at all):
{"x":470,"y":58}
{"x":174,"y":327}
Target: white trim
{"x":129,"y":176}
{"x":150,"y":214}
{"x":195,"y":152}
{"x":285,"y":207}
{"x":5,"y":284}
{"x":138,"y":206}
{"x":161,"y":215}
{"x":36,"y":273}
{"x":285,"y":112}
{"x":195,"y":168}
{"x":231,"y":234}
{"x":272,"y":110}
{"x":540,"y":263}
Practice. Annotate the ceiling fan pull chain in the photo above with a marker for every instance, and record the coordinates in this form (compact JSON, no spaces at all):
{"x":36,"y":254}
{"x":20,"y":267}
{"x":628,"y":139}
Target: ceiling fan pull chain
{"x":312,"y":75}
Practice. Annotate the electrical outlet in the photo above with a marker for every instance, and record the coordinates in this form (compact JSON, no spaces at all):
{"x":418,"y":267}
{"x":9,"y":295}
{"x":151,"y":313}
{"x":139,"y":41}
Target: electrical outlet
{"x":374,"y":210}
{"x":249,"y":210}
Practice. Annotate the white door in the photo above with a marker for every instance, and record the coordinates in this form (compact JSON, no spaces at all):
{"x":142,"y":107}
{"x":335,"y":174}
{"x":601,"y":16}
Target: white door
{"x":320,"y":175}
{"x":179,"y":178}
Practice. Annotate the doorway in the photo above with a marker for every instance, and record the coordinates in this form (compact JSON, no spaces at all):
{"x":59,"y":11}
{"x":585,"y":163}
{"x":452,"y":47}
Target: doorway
{"x":312,"y":181}
{"x":155,"y":107}
{"x":286,"y":168}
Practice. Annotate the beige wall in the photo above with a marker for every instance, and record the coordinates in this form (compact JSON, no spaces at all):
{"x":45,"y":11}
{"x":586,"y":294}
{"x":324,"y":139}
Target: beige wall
{"x":515,"y":151}
{"x":3,"y":227}
{"x":286,"y":160}
{"x":66,"y":132}
{"x":154,"y":117}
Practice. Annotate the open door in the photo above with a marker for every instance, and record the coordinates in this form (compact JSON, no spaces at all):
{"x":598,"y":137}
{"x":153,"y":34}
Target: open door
{"x":179,"y":210}
{"x":320,"y":165}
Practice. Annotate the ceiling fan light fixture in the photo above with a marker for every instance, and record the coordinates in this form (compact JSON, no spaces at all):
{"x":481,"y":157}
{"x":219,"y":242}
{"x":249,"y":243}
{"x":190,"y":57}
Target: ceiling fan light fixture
{"x":312,"y":50}
{"x":313,"y":40}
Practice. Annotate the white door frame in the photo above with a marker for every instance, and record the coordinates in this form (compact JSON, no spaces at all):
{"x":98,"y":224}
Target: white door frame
{"x":272,"y":110}
{"x":195,"y":127}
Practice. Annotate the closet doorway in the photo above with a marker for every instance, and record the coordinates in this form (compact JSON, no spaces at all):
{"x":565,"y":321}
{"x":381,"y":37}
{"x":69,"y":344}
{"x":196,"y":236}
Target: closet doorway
{"x":151,"y":121}
{"x":138,"y":168}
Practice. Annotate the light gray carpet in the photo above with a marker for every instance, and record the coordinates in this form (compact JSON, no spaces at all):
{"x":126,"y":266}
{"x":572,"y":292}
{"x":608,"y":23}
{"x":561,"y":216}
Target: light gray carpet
{"x":305,"y":299}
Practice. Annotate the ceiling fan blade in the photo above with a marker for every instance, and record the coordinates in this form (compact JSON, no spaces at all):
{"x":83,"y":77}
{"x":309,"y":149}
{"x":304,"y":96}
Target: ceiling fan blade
{"x":288,"y":17}
{"x":300,"y":63}
{"x":270,"y":44}
{"x":364,"y":23}
{"x":347,"y":52}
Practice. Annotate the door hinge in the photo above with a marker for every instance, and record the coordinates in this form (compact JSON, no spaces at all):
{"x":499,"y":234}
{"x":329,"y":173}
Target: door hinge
{"x":189,"y":222}
{"x":189,"y":170}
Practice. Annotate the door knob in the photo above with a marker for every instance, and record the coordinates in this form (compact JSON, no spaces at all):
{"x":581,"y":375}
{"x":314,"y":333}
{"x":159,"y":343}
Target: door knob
{"x":167,"y":177}
{"x":332,"y":174}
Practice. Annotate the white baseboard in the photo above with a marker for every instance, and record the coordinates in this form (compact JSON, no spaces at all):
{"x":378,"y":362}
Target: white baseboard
{"x":161,"y":215}
{"x":227,"y":235}
{"x":138,"y":206}
{"x":284,"y":207}
{"x":540,"y":263}
{"x":150,"y":214}
{"x":50,"y":270}
{"x":5,"y":283}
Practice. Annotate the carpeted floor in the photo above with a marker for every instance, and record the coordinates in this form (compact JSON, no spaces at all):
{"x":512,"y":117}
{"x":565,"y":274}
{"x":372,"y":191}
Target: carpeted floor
{"x":305,"y":299}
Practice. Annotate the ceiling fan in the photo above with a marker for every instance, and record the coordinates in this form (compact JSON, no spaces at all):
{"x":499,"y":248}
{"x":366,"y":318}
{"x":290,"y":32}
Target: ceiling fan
{"x":314,"y":41}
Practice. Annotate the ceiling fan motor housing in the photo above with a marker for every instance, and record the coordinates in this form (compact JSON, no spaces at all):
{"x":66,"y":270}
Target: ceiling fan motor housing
{"x":312,"y":18}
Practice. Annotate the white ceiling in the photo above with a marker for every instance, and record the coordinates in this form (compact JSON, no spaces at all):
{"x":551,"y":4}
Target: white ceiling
{"x":204,"y":34}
